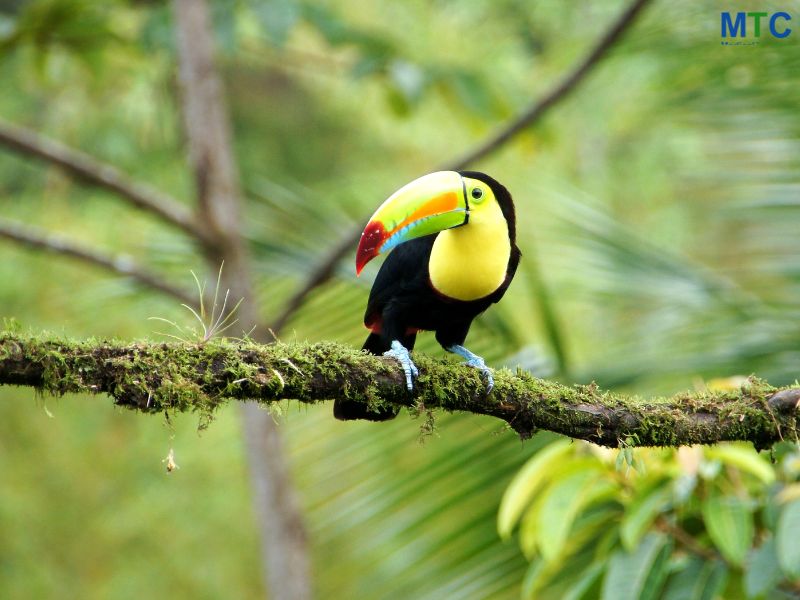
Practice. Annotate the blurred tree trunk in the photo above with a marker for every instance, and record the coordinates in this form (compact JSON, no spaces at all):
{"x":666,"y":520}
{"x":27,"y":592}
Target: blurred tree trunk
{"x":283,"y":536}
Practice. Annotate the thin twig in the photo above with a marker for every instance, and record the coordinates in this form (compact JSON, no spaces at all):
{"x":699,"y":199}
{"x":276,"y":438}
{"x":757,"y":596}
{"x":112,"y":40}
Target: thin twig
{"x":685,"y":538}
{"x":319,"y":276}
{"x":560,"y":91}
{"x":121,"y":264}
{"x":100,"y":174}
{"x":325,"y":269}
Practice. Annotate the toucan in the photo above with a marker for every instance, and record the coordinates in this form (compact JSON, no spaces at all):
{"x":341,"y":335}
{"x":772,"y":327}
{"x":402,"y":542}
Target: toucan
{"x":453,"y":240}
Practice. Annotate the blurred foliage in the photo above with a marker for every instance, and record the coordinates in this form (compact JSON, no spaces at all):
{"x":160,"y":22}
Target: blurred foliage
{"x":658,"y":216}
{"x":692,"y":523}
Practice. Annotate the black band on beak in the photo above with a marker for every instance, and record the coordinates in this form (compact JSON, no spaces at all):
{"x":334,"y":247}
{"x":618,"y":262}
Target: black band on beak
{"x":466,"y":199}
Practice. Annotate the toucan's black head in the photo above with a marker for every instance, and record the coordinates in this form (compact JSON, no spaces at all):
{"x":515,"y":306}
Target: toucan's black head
{"x":503,"y":198}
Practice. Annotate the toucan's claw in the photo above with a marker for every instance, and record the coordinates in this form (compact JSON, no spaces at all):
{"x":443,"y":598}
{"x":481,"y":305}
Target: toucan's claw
{"x":486,"y":372}
{"x":401,"y":354}
{"x":476,"y":362}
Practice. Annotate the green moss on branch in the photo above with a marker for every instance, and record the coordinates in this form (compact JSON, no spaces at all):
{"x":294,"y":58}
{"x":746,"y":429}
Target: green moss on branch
{"x":152,"y":377}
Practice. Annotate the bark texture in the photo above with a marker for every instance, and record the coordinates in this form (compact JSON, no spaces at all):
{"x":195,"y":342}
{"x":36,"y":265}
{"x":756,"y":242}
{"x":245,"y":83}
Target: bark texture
{"x":154,"y":378}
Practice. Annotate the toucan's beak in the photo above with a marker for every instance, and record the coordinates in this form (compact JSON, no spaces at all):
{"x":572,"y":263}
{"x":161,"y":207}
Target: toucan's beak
{"x":427,"y":205}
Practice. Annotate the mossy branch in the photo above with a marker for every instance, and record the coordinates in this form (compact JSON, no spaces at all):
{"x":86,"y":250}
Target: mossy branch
{"x":154,"y":377}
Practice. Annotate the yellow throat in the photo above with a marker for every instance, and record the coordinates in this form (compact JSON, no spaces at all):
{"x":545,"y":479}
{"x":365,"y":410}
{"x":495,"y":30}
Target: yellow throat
{"x":470,"y":262}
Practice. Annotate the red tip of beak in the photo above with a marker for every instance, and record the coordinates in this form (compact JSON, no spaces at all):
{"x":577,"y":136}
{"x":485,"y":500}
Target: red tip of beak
{"x":369,"y":247}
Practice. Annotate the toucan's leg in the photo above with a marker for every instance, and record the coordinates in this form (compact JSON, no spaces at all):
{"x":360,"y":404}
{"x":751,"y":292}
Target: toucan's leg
{"x":473,"y":360}
{"x":402,"y":355}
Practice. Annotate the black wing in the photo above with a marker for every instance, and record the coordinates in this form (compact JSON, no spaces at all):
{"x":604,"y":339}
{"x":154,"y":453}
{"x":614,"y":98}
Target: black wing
{"x":404,"y":269}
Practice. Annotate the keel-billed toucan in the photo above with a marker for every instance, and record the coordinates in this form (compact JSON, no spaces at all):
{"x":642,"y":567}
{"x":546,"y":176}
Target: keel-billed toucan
{"x":455,"y":253}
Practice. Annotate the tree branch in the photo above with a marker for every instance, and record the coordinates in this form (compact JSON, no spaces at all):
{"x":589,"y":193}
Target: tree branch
{"x":121,"y":264}
{"x":535,"y":111}
{"x":181,"y":377}
{"x":322,"y":273}
{"x":91,"y":171}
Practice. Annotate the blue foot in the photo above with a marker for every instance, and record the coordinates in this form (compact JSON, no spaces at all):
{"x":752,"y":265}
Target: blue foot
{"x":475,"y":361}
{"x":401,"y":354}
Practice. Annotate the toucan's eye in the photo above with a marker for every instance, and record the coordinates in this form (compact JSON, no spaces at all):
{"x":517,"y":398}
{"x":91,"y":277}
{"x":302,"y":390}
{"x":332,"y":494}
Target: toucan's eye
{"x":477,"y":193}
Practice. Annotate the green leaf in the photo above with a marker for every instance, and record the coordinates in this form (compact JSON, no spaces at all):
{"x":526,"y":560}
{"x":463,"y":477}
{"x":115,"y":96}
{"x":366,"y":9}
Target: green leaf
{"x":406,"y":84}
{"x":408,"y":78}
{"x":763,"y":570}
{"x":699,"y":580}
{"x":277,"y":17}
{"x":537,"y":573}
{"x":743,"y":457}
{"x":641,"y":513}
{"x":620,"y":462}
{"x":368,"y":65}
{"x":771,"y":509}
{"x":592,"y":523}
{"x":224,"y":21}
{"x":730,"y":525}
{"x":472,"y":91}
{"x":787,"y":536}
{"x":584,"y":582}
{"x":333,"y":29}
{"x":638,"y":575}
{"x":561,"y":504}
{"x":397,"y":101}
{"x":654,"y":583}
{"x":337,"y":32}
{"x":526,"y":483}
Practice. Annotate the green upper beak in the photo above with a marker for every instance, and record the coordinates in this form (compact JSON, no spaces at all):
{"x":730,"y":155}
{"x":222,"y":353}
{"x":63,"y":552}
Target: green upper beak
{"x":425,"y":206}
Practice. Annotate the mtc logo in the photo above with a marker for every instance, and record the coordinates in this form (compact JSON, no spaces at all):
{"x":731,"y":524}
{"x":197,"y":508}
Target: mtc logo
{"x":738,"y":27}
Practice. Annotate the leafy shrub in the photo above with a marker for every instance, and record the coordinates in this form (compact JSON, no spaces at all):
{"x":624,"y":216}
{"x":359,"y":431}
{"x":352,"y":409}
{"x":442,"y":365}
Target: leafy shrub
{"x":692,"y":523}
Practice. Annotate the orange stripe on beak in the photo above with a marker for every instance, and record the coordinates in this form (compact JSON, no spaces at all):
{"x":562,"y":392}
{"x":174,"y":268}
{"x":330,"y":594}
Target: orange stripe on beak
{"x":440,"y":204}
